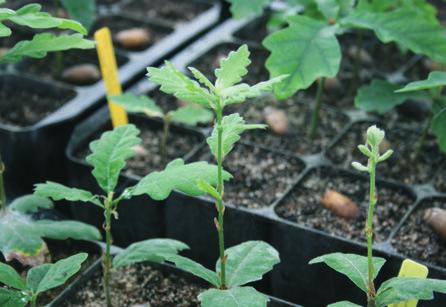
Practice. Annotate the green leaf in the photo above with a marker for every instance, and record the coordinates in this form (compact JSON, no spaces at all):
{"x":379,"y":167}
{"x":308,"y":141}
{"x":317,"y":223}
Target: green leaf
{"x":43,"y":43}
{"x":12,"y":298}
{"x":35,"y":275}
{"x":21,"y":237}
{"x":439,"y":123}
{"x":239,"y":296}
{"x":109,"y":154}
{"x":406,"y":26}
{"x":208,"y":189}
{"x":233,"y":126}
{"x":30,"y":204}
{"x":343,"y":304}
{"x":202,"y":78}
{"x":178,"y":176}
{"x":138,"y":104}
{"x":240,"y":92}
{"x":58,"y":273}
{"x":4,"y":31}
{"x":355,"y":267}
{"x":10,"y":277}
{"x":233,"y":68}
{"x":57,"y":191}
{"x":242,"y":8}
{"x":194,"y":268}
{"x":31,"y":16}
{"x":174,"y":82}
{"x":434,"y":80}
{"x":192,"y":115}
{"x":248,"y":262}
{"x":81,"y":10}
{"x":306,"y":50}
{"x":401,"y":289}
{"x":380,"y":96}
{"x":149,"y":250}
{"x":329,"y":8}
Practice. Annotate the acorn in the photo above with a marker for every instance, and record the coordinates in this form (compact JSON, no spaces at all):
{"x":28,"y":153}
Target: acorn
{"x":436,"y":218}
{"x":3,"y":51}
{"x":133,"y":38}
{"x":276,"y":119}
{"x":340,"y":205}
{"x":82,"y":74}
{"x":332,"y":83}
{"x":431,"y":65}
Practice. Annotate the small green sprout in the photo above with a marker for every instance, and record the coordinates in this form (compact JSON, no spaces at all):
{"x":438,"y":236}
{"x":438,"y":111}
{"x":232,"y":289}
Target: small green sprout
{"x":363,"y":270}
{"x":108,"y":158}
{"x":190,"y":115}
{"x":19,"y":291}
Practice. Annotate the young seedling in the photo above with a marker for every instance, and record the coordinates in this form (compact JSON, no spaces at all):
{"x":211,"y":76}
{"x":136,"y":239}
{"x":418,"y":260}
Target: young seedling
{"x":108,"y":158}
{"x":308,"y":48}
{"x":19,"y":291}
{"x":189,"y":115}
{"x":363,"y":270}
{"x":248,"y":261}
{"x":393,"y":95}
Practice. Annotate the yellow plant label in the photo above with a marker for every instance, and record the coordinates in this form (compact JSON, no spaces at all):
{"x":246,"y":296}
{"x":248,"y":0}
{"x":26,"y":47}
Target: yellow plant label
{"x":411,"y":268}
{"x":109,"y":70}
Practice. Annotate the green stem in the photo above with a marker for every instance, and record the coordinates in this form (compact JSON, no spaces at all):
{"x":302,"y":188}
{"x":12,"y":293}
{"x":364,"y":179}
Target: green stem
{"x":106,"y":261}
{"x":317,"y":108}
{"x":220,"y":190}
{"x":58,"y":65}
{"x":369,"y":232}
{"x":423,"y":137}
{"x":2,"y":186}
{"x":34,"y":300}
{"x":166,"y":131}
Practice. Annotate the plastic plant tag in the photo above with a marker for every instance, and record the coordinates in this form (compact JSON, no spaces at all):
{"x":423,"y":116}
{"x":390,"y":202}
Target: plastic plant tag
{"x":410,"y":268}
{"x":109,"y":70}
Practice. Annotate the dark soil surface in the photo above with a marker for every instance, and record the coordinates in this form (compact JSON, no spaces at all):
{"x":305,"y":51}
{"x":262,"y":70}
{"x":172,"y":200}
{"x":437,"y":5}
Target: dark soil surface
{"x":260,"y":176}
{"x":148,"y":157}
{"x":255,"y":31}
{"x":298,"y":110}
{"x":171,"y":10}
{"x":402,"y":166}
{"x":208,"y":62}
{"x":417,"y":240}
{"x":440,"y":180}
{"x":140,"y":284}
{"x":304,"y":206}
{"x":69,"y":59}
{"x":117,"y":23}
{"x":24,"y":103}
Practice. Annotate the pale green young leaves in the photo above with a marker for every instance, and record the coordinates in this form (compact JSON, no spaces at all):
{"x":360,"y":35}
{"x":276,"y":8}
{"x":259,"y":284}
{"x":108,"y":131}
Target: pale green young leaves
{"x":305,"y":50}
{"x":30,"y":204}
{"x":233,"y":126}
{"x":191,"y":115}
{"x":238,"y":296}
{"x":57,"y":191}
{"x":43,"y":43}
{"x":177,"y":176}
{"x":434,"y":80}
{"x":138,"y":104}
{"x":109,"y":154}
{"x":355,"y":267}
{"x":232,"y":68}
{"x":242,"y":8}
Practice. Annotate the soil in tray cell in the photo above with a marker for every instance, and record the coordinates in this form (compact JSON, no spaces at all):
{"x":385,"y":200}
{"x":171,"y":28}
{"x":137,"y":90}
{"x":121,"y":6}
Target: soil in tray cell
{"x":259,"y":176}
{"x":404,"y":165}
{"x":118,"y":23}
{"x":297,"y":112}
{"x":25,"y":102}
{"x":139,"y":284}
{"x":170,"y":10}
{"x":304,"y":205}
{"x":208,"y":62}
{"x":148,"y":155}
{"x":417,"y":240}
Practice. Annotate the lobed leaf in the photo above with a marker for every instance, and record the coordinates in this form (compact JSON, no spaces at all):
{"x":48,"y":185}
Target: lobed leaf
{"x":329,"y":8}
{"x":177,"y":176}
{"x":192,"y":115}
{"x":174,"y":82}
{"x":434,"y":80}
{"x":401,"y":289}
{"x":242,"y":8}
{"x":306,"y":50}
{"x":248,"y":262}
{"x":138,"y":104}
{"x":355,"y":267}
{"x":380,"y":96}
{"x":233,"y":68}
{"x":43,"y":43}
{"x":153,"y":250}
{"x":30,"y":204}
{"x":57,"y":191}
{"x":62,"y":230}
{"x":109,"y":153}
{"x":238,"y":296}
{"x":233,"y":126}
